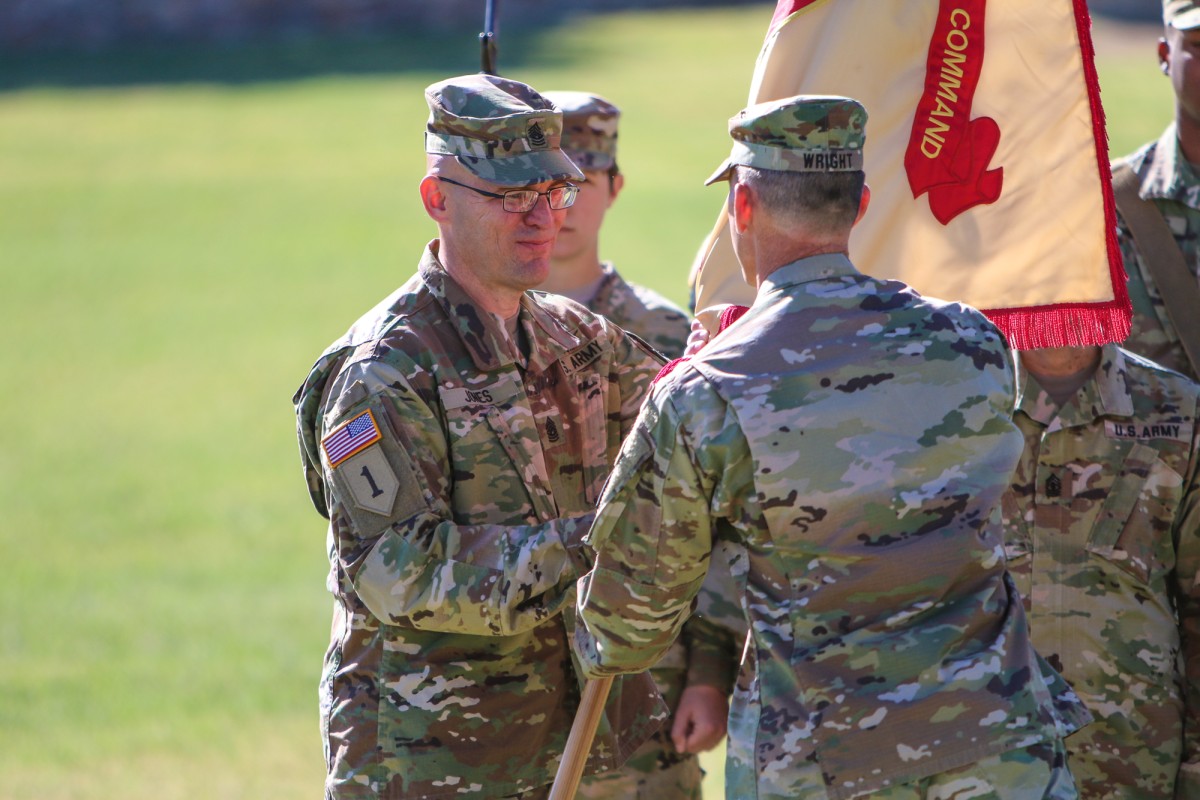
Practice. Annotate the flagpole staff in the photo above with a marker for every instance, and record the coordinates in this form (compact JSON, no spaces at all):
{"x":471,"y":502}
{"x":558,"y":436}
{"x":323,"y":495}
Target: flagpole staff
{"x":488,"y":39}
{"x":579,"y":742}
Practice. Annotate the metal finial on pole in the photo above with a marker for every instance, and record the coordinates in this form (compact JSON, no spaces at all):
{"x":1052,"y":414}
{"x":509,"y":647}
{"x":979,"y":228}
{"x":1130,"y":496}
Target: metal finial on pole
{"x":488,"y":39}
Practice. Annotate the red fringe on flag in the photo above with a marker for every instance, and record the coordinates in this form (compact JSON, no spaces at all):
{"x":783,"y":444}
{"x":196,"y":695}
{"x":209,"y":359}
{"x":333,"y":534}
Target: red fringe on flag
{"x":1078,"y":324}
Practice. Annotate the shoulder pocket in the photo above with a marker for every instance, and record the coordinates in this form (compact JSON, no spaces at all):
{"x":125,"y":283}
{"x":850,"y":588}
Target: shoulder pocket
{"x":373,"y":477}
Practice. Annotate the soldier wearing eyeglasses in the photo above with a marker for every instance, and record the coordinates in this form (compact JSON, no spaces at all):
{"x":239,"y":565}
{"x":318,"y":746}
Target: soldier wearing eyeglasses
{"x":457,"y":439}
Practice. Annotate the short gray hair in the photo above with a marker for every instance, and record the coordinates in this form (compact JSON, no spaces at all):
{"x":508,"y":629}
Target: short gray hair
{"x":820,"y":199}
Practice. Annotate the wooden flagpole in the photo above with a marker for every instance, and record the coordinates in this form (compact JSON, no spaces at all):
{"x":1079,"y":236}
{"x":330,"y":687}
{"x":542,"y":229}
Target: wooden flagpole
{"x":579,"y":742}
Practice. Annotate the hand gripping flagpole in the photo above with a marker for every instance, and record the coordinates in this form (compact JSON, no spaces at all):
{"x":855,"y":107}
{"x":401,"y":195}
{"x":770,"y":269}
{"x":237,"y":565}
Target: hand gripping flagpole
{"x":579,"y":742}
{"x":488,"y":39}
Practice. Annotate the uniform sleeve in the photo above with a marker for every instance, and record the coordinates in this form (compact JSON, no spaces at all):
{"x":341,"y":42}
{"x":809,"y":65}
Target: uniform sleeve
{"x":1187,"y":576}
{"x":715,"y":648}
{"x":396,"y":546}
{"x":635,"y":367}
{"x":713,"y":654}
{"x":652,"y":539}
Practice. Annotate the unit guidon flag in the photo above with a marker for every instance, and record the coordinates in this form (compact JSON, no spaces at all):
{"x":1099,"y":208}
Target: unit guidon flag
{"x":985,"y":153}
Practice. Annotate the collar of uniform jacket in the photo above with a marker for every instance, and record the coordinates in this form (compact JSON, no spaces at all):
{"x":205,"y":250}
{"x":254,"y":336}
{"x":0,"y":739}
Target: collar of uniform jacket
{"x":1165,"y":174}
{"x":813,"y":268}
{"x":481,"y":333}
{"x":1105,"y":395}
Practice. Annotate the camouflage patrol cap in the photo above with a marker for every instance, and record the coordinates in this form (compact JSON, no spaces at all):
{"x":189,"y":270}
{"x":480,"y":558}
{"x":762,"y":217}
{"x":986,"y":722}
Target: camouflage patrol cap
{"x":501,"y":130}
{"x":805,"y":133}
{"x":589,"y":134}
{"x":1183,"y":15}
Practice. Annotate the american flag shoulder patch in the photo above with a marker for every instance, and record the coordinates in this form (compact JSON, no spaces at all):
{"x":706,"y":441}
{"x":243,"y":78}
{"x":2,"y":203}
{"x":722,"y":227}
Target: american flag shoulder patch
{"x":351,"y":437}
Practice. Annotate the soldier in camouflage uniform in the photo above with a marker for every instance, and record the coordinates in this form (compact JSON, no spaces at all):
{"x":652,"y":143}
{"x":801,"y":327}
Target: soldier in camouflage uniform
{"x":1168,"y":179}
{"x":1102,"y":530}
{"x":853,"y":440}
{"x":576,"y":271}
{"x":695,"y":676}
{"x":459,"y":432}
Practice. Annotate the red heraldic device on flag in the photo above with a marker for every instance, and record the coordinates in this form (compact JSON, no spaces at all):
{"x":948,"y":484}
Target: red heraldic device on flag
{"x":985,"y":153}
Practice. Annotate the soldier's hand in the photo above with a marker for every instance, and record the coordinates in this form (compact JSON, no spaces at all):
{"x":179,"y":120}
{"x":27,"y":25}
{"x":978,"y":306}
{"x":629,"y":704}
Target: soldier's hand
{"x":697,"y":338}
{"x":700,"y":719}
{"x":709,"y":322}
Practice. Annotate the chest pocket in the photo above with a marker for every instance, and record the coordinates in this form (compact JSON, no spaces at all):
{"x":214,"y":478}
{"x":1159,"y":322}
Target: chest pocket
{"x":1133,"y":529}
{"x":592,"y":420}
{"x":494,"y":454}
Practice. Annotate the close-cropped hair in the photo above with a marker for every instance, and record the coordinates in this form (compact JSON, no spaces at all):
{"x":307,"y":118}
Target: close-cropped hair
{"x":821,"y":199}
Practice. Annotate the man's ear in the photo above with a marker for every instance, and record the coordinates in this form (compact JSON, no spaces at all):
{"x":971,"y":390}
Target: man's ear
{"x":1164,"y":56}
{"x":616,"y":184}
{"x":742,"y":204}
{"x":863,"y":202}
{"x":432,"y":198}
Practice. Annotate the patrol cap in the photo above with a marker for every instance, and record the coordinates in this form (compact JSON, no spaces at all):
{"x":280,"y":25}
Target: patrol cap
{"x":589,"y":134}
{"x":501,"y":130}
{"x":805,"y":133}
{"x":1183,"y":15}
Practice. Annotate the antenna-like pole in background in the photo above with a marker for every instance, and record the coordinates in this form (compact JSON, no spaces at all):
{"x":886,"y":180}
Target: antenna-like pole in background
{"x":488,"y":39}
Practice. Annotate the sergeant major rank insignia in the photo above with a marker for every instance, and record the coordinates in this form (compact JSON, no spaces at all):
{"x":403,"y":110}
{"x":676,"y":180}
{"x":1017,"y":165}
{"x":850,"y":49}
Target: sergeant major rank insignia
{"x":537,"y":137}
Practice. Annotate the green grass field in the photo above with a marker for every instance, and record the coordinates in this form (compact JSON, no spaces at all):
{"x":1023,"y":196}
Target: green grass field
{"x":181,"y":232}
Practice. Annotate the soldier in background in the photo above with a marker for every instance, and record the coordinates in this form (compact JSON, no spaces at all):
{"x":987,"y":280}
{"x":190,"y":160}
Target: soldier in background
{"x":1102,"y":530}
{"x":590,"y":138}
{"x":696,"y":674}
{"x":1165,"y":177}
{"x":460,"y":432}
{"x":853,"y":439}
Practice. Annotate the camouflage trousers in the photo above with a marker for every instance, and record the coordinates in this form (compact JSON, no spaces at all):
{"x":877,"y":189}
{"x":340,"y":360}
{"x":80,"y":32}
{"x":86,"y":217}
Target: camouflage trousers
{"x":656,"y":771}
{"x":1038,"y":772}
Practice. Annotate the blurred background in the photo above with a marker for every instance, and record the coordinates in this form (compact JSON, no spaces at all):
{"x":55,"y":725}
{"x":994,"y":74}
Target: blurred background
{"x":196,"y":196}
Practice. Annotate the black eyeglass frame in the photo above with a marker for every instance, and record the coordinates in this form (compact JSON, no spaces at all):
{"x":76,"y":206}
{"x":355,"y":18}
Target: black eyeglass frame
{"x":511,"y":195}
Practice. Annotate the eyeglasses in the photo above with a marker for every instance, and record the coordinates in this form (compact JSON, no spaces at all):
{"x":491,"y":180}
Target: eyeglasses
{"x":519,"y":201}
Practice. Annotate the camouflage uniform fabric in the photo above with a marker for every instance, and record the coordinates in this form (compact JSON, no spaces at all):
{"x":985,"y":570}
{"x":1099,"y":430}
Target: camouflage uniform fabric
{"x":665,"y":326}
{"x":703,"y":654}
{"x":1168,"y":180}
{"x":481,"y":458}
{"x":709,"y":646}
{"x":1103,"y":539}
{"x":823,"y":134}
{"x":502,"y":131}
{"x":851,"y":440}
{"x":645,"y":312}
{"x":590,"y":125}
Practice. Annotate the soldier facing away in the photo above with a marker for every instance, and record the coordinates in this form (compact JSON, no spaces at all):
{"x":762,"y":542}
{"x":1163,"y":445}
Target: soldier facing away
{"x":852,"y":440}
{"x":457,"y":438}
{"x":1102,"y":531}
{"x":696,"y":674}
